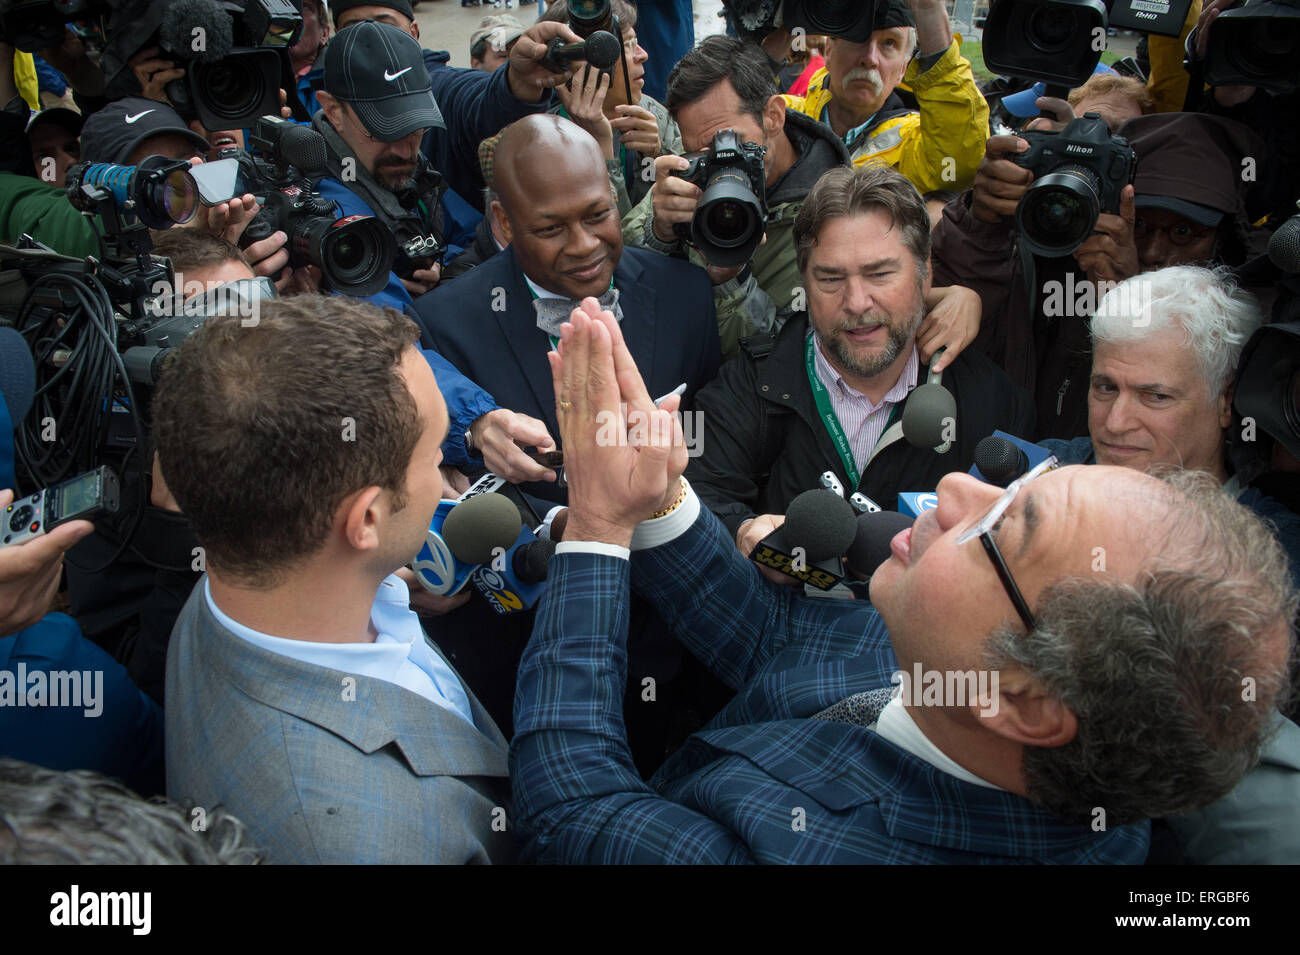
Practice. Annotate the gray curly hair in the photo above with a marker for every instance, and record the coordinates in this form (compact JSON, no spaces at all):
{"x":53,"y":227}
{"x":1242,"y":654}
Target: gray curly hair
{"x":1174,"y":677}
{"x":80,"y":817}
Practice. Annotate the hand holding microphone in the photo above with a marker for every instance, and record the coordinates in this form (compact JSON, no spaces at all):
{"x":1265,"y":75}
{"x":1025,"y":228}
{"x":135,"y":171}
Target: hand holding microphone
{"x":602,"y":50}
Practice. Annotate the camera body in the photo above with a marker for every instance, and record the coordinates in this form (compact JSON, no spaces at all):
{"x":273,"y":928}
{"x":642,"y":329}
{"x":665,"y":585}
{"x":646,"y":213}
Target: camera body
{"x":355,"y":253}
{"x":1256,"y":43}
{"x":1079,"y":173}
{"x":728,"y":223}
{"x":418,"y":252}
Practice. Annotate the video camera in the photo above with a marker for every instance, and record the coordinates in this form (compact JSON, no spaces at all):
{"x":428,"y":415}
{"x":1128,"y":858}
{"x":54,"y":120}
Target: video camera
{"x":354,"y":253}
{"x":728,"y":223}
{"x":35,"y":25}
{"x":1079,"y":173}
{"x":231,"y":51}
{"x":1060,"y":42}
{"x":1254,"y":44}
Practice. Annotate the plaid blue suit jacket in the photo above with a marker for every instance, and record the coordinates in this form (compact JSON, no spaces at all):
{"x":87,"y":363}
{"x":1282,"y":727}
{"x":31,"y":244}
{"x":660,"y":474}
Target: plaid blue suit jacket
{"x":762,"y":782}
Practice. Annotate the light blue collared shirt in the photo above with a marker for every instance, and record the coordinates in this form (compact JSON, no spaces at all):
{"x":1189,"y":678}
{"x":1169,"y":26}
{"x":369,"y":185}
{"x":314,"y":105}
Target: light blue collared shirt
{"x":400,"y":654}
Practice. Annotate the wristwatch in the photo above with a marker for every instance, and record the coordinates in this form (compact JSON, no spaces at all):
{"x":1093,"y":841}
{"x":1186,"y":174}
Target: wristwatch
{"x":472,"y":451}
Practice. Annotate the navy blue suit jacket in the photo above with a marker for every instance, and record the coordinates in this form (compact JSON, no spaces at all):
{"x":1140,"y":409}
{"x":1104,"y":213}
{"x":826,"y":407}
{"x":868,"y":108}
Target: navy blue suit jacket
{"x":669,"y":325}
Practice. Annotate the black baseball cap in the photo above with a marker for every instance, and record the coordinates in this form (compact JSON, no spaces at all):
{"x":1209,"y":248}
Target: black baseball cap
{"x":379,"y":71}
{"x":69,"y":119}
{"x":112,"y":133}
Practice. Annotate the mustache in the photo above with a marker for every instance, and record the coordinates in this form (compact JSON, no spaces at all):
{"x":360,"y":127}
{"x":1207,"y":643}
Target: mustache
{"x":864,"y":73}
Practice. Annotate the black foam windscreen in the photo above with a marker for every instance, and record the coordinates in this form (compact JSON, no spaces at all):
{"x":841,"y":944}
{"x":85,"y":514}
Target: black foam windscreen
{"x":474,"y":529}
{"x":926,"y":416}
{"x":870,"y":547}
{"x":999,"y":460}
{"x":197,"y":29}
{"x":1284,"y":245}
{"x":821,"y":522}
{"x":533,"y":560}
{"x":17,"y":375}
{"x":603,"y":49}
{"x":304,"y":148}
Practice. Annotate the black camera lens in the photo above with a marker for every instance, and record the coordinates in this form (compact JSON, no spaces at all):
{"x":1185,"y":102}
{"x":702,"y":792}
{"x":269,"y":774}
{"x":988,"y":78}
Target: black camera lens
{"x":229,"y":91}
{"x":728,"y":222}
{"x":1051,"y":29}
{"x":355,"y":254}
{"x":1059,"y":211}
{"x":1265,"y":48}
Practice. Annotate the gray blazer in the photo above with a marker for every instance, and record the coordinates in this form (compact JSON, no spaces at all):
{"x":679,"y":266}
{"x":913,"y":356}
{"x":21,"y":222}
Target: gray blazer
{"x":323,"y":766}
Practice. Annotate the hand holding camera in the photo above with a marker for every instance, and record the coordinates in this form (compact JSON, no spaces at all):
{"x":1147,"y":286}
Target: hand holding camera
{"x":1110,"y":254}
{"x":999,"y":181}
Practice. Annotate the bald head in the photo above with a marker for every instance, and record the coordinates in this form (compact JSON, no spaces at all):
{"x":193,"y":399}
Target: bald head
{"x":555,"y":206}
{"x":541,"y":155}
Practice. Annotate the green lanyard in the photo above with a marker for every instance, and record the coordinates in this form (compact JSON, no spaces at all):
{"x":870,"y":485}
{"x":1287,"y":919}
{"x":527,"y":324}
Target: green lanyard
{"x":832,"y":421}
{"x":829,"y":418}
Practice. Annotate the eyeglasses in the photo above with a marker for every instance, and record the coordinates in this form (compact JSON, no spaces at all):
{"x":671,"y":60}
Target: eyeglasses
{"x":630,"y":45}
{"x":1180,"y":234}
{"x":983,"y":529}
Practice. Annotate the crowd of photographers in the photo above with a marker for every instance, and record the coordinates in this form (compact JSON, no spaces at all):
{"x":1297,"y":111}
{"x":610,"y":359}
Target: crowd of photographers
{"x":329,"y":369}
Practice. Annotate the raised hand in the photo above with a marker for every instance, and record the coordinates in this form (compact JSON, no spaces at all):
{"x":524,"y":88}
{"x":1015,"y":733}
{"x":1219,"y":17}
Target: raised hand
{"x":623,"y":457}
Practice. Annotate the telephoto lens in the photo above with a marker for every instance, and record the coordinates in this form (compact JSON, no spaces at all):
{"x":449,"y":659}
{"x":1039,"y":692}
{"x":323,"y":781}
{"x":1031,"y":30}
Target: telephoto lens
{"x":588,"y":16}
{"x":160,"y":191}
{"x":728,"y":224}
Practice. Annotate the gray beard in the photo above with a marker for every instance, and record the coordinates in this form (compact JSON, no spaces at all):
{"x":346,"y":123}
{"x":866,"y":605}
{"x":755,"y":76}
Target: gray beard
{"x":900,"y":338}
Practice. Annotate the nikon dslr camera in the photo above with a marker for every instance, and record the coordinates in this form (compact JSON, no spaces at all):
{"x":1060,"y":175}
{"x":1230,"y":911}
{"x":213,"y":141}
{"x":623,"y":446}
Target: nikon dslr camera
{"x":728,"y":222}
{"x":1079,"y":173}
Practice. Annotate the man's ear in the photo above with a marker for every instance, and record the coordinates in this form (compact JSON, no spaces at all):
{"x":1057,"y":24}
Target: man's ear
{"x":415,"y":29}
{"x":1019,"y":709}
{"x":332,"y":107}
{"x":502,"y":221}
{"x":774,"y":116}
{"x":1225,"y":406}
{"x":361,"y":514}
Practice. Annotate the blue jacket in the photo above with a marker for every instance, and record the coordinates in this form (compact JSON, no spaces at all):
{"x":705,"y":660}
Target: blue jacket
{"x":762,"y":782}
{"x":123,"y":739}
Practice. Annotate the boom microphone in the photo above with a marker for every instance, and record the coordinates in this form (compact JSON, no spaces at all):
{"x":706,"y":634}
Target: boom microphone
{"x":181,"y":22}
{"x":926,"y":416}
{"x":870,"y":546}
{"x":602,"y":50}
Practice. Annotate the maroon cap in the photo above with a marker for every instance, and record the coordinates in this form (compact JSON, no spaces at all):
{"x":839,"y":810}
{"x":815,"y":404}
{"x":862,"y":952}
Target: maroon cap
{"x":1191,"y":163}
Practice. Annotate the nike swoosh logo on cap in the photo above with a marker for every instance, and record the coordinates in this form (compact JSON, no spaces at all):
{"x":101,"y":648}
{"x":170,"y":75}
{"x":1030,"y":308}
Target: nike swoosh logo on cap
{"x":132,"y":119}
{"x":391,"y":77}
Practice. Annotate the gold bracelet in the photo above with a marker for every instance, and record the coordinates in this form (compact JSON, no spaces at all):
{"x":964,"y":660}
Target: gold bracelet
{"x":681,"y":496}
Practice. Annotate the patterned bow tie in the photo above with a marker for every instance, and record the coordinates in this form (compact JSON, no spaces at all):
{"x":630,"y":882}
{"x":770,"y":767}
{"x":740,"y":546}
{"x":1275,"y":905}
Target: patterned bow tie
{"x":554,"y":312}
{"x":862,"y":709}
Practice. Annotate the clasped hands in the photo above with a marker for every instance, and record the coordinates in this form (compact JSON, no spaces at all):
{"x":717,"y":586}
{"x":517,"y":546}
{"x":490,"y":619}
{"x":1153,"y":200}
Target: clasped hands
{"x":623,"y":457}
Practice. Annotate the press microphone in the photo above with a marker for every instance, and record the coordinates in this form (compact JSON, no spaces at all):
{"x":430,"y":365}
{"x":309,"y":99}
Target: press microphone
{"x":602,"y":50}
{"x":464,"y":534}
{"x":1001,"y":458}
{"x":870,"y":547}
{"x":927,"y":417}
{"x":819,"y":527}
{"x":515,"y":580}
{"x":1284,"y":245}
